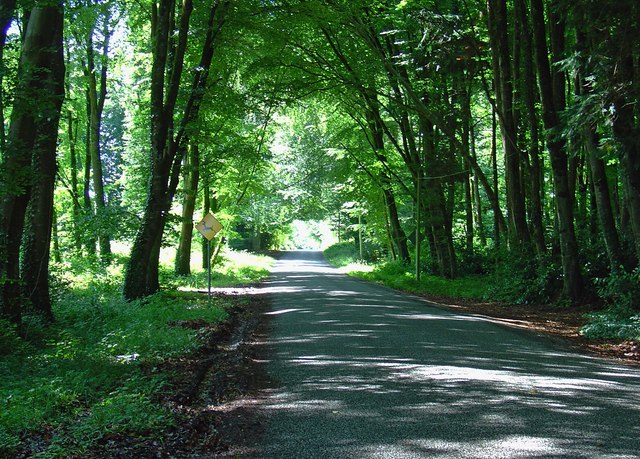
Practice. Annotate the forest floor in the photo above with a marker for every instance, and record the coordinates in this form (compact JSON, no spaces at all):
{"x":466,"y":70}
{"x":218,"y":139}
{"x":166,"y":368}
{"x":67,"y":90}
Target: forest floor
{"x":215,"y":390}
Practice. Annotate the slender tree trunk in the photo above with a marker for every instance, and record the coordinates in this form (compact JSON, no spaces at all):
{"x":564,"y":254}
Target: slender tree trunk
{"x":466,"y":144}
{"x":90,"y":238}
{"x":475,"y":188}
{"x":529,"y":98}
{"x":72,"y":128}
{"x":30,"y":163}
{"x":552,"y":92}
{"x":97,"y":95}
{"x":434,"y":203}
{"x":627,"y":132}
{"x":57,"y":255}
{"x":206,"y":244}
{"x":377,"y":136}
{"x":494,"y":169}
{"x":191,"y":178}
{"x":603,"y":201}
{"x":498,"y":26}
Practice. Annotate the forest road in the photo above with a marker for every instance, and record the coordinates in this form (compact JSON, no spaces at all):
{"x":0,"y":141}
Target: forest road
{"x":362,"y":371}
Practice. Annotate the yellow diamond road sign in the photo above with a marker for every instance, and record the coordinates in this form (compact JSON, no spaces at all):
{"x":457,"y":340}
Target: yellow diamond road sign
{"x":209,"y":226}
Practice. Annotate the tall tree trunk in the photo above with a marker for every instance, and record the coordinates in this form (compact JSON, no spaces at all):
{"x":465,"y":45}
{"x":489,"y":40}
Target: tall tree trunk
{"x":206,"y":208}
{"x":435,"y":205}
{"x":57,"y":255}
{"x":599,"y":182}
{"x":475,"y":189}
{"x":494,"y":170}
{"x":529,"y":99}
{"x":399,"y":237}
{"x":30,"y":164}
{"x":97,"y":93}
{"x":191,"y":178}
{"x":72,"y":131}
{"x":626,"y":127}
{"x":603,"y":201}
{"x":167,"y":137}
{"x":90,"y":237}
{"x":553,"y":101}
{"x":466,"y":176}
{"x":498,"y":27}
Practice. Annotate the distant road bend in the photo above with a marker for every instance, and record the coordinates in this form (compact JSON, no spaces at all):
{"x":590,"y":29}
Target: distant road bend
{"x":362,"y":371}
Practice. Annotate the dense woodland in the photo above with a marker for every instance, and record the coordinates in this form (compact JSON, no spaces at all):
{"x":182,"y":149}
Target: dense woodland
{"x":455,"y":137}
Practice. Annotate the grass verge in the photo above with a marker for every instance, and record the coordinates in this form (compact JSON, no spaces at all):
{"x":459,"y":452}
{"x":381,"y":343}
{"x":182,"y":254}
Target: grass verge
{"x":95,"y":371}
{"x":402,"y":277}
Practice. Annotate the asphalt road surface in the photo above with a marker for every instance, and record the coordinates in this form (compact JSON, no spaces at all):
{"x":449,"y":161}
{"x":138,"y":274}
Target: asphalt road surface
{"x":362,"y":371}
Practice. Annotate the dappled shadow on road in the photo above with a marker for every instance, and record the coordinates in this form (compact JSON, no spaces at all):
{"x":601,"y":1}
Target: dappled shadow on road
{"x":363,"y":371}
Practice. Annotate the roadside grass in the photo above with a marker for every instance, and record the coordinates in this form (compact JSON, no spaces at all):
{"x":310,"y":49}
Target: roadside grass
{"x":398,"y":276}
{"x":95,"y":371}
{"x":401,"y":277}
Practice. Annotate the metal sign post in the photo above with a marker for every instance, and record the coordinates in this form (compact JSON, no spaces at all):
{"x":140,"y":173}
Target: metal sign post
{"x":209,"y":273}
{"x":209,"y":226}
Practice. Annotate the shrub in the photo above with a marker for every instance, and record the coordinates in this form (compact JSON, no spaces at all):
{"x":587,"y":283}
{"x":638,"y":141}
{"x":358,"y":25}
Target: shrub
{"x":525,"y":279}
{"x":621,"y":290}
{"x":620,"y":321}
{"x":341,"y":254}
{"x":612,"y":325}
{"x":10,"y":342}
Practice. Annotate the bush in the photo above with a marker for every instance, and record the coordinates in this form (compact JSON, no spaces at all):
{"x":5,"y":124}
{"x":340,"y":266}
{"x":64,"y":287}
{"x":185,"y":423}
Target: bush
{"x":525,"y":279}
{"x":341,"y":254}
{"x":395,"y":274}
{"x":621,"y":291}
{"x":10,"y":342}
{"x":620,"y":321}
{"x":612,"y":325}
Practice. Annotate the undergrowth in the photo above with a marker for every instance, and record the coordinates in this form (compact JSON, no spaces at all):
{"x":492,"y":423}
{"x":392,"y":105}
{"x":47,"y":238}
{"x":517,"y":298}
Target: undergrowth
{"x":620,"y":320}
{"x":94,"y":372}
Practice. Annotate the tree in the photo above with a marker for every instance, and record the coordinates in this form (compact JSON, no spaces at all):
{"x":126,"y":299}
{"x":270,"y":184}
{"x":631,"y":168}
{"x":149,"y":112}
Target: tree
{"x":503,"y":83}
{"x":29,"y":166}
{"x":168,"y":135}
{"x":98,"y":22}
{"x":553,"y":102}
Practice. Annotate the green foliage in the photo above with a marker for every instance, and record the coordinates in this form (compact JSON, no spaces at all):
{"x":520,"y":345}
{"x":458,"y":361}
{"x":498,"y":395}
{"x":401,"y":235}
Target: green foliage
{"x":525,"y":279}
{"x":621,"y":290}
{"x":232,"y":267}
{"x":620,"y":321}
{"x":88,"y":375}
{"x":402,"y":277}
{"x":397,"y":275}
{"x":612,"y":324}
{"x":10,"y":342}
{"x":341,"y":254}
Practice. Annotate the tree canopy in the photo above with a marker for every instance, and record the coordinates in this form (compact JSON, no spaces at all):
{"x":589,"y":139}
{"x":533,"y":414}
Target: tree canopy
{"x":459,"y":137}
